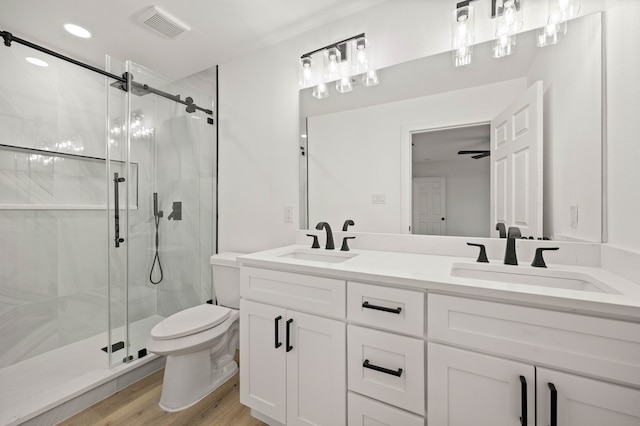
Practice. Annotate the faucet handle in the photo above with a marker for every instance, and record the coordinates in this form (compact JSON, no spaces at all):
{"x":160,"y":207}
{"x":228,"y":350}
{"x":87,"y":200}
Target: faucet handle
{"x":500,"y":227}
{"x":315,"y":241}
{"x":538,"y":260}
{"x":345,"y":246}
{"x":482,"y":256}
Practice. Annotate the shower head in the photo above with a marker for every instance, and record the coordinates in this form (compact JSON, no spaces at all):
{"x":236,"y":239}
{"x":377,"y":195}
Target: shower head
{"x":136,"y":88}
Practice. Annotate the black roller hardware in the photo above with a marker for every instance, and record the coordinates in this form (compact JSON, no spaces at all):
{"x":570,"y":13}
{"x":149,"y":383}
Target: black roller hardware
{"x":482,"y":256}
{"x":554,"y":405}
{"x":382,"y":308}
{"x":523,"y":401}
{"x":289,"y":347}
{"x":278,"y":343}
{"x":370,"y":366}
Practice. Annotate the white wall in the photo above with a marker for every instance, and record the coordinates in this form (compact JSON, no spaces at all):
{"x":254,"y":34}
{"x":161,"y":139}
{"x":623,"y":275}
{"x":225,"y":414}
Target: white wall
{"x":572,"y":153}
{"x":623,"y":112}
{"x":468,"y":193}
{"x":259,"y":108}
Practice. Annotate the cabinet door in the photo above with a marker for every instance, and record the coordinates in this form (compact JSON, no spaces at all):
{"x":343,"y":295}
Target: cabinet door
{"x":466,"y":388}
{"x":262,"y":364}
{"x":581,"y":401}
{"x":316,"y":371}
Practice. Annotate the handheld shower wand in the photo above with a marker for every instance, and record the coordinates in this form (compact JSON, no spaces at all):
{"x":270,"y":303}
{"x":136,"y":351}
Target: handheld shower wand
{"x":157,"y":214}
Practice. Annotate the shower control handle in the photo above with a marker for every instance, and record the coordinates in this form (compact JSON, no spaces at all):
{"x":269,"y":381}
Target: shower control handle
{"x":116,"y":209}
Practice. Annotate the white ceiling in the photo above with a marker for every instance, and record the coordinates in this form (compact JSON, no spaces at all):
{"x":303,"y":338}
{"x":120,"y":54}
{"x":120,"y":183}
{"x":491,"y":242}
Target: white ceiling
{"x":220,"y":29}
{"x":443,"y":145}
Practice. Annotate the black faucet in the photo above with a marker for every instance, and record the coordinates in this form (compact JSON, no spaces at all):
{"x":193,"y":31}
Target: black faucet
{"x":346,"y":224}
{"x":501,"y":230}
{"x":326,"y":227}
{"x":510,"y":257}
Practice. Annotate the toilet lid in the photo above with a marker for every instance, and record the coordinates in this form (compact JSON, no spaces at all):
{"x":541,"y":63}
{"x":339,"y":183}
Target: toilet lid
{"x":190,"y":321}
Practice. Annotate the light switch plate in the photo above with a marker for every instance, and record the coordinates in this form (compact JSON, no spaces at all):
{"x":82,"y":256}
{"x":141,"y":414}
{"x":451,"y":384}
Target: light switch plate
{"x":288,"y":214}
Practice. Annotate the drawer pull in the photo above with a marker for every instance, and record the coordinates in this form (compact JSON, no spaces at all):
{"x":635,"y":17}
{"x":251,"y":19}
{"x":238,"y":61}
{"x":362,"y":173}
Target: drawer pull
{"x":289,"y":347}
{"x":554,"y":405}
{"x":382,"y":308}
{"x":523,"y":401}
{"x":278,"y":343}
{"x":382,"y":369}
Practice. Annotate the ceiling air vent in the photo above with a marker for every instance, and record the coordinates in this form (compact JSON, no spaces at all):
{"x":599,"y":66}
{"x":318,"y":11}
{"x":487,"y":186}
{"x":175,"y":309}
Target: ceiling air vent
{"x":162,"y":23}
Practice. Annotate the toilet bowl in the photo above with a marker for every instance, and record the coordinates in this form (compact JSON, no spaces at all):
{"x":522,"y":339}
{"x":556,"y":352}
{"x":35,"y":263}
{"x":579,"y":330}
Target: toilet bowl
{"x":200,"y":342}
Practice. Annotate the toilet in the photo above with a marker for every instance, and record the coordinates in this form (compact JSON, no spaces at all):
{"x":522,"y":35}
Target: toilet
{"x":200,"y":342}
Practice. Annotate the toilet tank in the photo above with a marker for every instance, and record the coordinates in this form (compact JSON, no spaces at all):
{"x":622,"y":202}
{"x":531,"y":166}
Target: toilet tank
{"x":226,"y":279}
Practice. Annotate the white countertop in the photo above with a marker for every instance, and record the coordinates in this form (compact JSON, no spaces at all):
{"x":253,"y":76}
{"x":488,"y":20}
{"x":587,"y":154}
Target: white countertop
{"x":433,"y":273}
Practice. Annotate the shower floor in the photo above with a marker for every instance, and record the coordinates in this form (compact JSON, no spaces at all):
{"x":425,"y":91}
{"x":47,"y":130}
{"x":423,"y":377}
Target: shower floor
{"x":36,"y":385}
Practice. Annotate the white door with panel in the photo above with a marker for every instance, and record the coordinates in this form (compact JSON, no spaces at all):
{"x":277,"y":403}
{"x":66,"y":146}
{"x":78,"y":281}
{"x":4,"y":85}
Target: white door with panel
{"x":570,"y":400}
{"x":429,"y":206}
{"x":466,"y":388}
{"x":293,"y":365}
{"x":516,"y":164}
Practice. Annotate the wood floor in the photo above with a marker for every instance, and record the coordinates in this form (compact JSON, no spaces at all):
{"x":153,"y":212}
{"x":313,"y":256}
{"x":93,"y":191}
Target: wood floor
{"x":138,"y":405}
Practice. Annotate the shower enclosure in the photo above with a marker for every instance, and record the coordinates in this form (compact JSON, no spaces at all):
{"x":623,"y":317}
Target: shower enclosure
{"x":106,"y":213}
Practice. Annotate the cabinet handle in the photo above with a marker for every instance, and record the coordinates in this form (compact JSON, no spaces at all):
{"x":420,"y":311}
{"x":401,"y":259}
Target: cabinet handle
{"x":382,"y":308}
{"x":523,"y":400}
{"x":278,"y":343}
{"x":382,"y":369}
{"x":289,"y":347}
{"x":554,"y":405}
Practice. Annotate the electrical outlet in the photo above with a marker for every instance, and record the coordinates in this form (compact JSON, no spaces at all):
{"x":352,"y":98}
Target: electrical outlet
{"x":288,"y":214}
{"x":574,"y":216}
{"x":378,"y":199}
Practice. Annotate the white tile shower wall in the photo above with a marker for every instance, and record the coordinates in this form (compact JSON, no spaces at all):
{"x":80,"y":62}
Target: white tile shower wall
{"x":53,"y":274}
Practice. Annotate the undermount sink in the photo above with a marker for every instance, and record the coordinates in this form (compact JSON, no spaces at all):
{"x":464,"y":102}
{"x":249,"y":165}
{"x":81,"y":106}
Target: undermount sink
{"x":542,"y":277}
{"x":319,"y":255}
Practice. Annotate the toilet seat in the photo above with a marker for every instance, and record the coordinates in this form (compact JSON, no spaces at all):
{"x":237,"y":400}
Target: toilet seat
{"x":190,"y":321}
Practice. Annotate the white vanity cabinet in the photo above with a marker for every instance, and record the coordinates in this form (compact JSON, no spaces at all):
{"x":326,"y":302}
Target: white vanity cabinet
{"x":292,"y":363}
{"x":523,"y":349}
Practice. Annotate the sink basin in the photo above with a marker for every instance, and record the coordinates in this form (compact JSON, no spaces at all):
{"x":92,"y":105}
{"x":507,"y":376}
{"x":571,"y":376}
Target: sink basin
{"x":541,"y":277}
{"x":319,"y":255}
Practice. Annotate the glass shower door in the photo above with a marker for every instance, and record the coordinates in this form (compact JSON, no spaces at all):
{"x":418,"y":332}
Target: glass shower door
{"x":118,"y":179}
{"x":165,"y":152}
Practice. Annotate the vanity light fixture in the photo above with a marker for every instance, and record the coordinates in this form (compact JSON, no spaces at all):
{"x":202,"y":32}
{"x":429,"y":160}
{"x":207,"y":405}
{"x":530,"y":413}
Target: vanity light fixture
{"x":77,"y":30}
{"x":462,"y":35}
{"x":560,"y":11}
{"x":507,"y":26}
{"x":346,"y":62}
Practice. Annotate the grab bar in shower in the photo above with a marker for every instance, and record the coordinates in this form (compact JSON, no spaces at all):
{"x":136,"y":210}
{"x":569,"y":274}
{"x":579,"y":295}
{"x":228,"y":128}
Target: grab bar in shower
{"x":116,"y":215}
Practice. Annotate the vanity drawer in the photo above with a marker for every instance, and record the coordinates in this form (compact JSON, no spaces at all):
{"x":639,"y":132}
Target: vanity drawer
{"x":395,"y":367}
{"x":595,"y":346}
{"x":365,"y":412}
{"x":306,"y":293}
{"x":386,"y":307}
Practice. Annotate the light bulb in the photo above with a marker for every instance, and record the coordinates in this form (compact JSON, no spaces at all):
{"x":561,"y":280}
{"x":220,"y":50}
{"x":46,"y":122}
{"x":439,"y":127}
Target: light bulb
{"x":509,"y":13}
{"x":362,"y":57}
{"x":333,"y":63}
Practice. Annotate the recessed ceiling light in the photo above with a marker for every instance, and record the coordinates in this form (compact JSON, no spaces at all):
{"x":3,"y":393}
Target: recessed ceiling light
{"x":77,"y":31}
{"x":36,"y":61}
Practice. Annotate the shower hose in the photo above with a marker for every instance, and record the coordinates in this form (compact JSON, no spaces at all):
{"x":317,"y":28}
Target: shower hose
{"x":156,"y":257}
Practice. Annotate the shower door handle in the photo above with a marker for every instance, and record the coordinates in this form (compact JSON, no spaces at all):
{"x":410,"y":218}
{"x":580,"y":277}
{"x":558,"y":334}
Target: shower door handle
{"x":116,"y":205}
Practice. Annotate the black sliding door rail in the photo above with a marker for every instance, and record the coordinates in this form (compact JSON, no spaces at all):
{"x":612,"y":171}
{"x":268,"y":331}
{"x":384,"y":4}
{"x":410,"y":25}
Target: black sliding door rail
{"x":10,"y":38}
